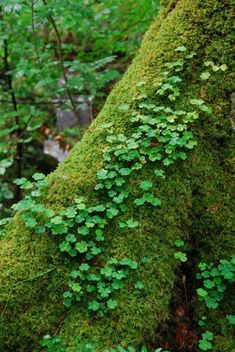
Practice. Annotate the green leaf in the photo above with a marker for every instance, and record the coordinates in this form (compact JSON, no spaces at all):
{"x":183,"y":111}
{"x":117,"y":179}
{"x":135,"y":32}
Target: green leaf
{"x":124,"y":107}
{"x":159,"y":172}
{"x":71,"y":238}
{"x":111,"y":303}
{"x":128,"y":262}
{"x":31,"y":222}
{"x":65,"y":246}
{"x":167,"y":161}
{"x":84,"y":267}
{"x":27,"y":185}
{"x":205,"y":75}
{"x":112,"y":212}
{"x":104,"y":292}
{"x":144,"y":349}
{"x":205,"y":345}
{"x":211,"y":302}
{"x":38,"y":208}
{"x":181,"y":48}
{"x":83,"y":230}
{"x":59,"y":229}
{"x":20,"y":181}
{"x":206,"y":109}
{"x":38,"y":176}
{"x":201,"y":292}
{"x":117,"y":284}
{"x":209,"y":63}
{"x":139,"y":285}
{"x":146,"y":185}
{"x":102,"y":174}
{"x":35,"y":193}
{"x":79,"y":200}
{"x":231,"y":319}
{"x":95,"y":250}
{"x":181,"y":256}
{"x":94,"y":305}
{"x":139,"y":201}
{"x":57,"y":220}
{"x":24,"y":204}
{"x":67,"y":302}
{"x":197,"y":102}
{"x":191,"y":144}
{"x":132,"y":223}
{"x":75,"y":274}
{"x":125,"y":171}
{"x":49,"y":213}
{"x":209,"y":283}
{"x":179,"y":243}
{"x":39,"y":229}
{"x":156,"y":202}
{"x":99,"y":235}
{"x":208,"y":336}
{"x":107,"y":271}
{"x":81,"y":247}
{"x":223,"y":67}
{"x":70,"y":212}
{"x":67,"y":294}
{"x":100,"y":208}
{"x":75,"y":286}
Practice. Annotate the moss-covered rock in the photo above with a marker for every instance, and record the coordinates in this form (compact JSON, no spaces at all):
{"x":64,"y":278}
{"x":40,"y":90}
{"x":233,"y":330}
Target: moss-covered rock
{"x":196,"y":200}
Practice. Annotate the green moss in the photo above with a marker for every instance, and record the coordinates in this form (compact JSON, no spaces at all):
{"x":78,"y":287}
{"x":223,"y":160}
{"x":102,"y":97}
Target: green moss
{"x":195,"y":199}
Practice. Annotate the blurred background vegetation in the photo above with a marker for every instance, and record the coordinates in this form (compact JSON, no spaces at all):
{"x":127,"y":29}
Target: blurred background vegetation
{"x":59,"y":60}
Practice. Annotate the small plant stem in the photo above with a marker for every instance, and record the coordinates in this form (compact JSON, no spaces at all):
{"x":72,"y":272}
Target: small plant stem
{"x":185,"y":292}
{"x":39,"y":61}
{"x":61,"y":60}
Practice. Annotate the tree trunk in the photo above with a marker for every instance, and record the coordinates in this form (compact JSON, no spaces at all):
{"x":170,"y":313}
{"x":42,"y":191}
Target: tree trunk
{"x":195,"y":199}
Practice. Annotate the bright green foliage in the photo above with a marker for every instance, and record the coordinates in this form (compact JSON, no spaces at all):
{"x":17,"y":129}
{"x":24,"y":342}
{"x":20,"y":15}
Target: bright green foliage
{"x":205,"y":342}
{"x":181,"y":256}
{"x":216,"y":279}
{"x":179,"y":243}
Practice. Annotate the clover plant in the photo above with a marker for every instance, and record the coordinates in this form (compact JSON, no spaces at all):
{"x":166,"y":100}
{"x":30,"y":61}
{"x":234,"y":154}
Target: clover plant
{"x":215,"y":280}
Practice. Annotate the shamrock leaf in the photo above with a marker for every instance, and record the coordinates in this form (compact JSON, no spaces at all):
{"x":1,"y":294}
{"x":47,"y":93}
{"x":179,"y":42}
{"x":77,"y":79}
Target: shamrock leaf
{"x":111,"y":303}
{"x":205,"y":75}
{"x":146,"y":185}
{"x":81,"y":247}
{"x":94,"y":305}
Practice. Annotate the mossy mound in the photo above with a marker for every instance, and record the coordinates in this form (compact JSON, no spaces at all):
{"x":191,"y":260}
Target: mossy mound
{"x":196,"y":201}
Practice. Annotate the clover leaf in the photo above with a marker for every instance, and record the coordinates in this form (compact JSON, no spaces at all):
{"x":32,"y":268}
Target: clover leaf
{"x":111,"y":303}
{"x":94,"y":305}
{"x":81,"y":247}
{"x":181,"y":256}
{"x":205,"y":75}
{"x":139,"y":285}
{"x":146,"y":185}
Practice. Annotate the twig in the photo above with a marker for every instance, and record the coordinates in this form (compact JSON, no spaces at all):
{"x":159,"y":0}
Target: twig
{"x":40,"y":64}
{"x":57,"y":330}
{"x":61,"y":60}
{"x":185,"y":292}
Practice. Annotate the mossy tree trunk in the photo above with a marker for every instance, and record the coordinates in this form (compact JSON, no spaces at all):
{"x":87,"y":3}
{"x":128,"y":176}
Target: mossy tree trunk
{"x":195,"y":195}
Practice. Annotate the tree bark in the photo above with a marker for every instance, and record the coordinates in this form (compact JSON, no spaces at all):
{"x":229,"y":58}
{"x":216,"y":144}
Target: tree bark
{"x":196,"y":200}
